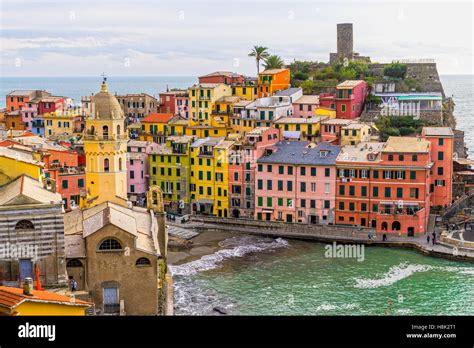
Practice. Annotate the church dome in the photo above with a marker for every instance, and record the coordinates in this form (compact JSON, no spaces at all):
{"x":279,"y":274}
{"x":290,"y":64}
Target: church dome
{"x":106,"y":106}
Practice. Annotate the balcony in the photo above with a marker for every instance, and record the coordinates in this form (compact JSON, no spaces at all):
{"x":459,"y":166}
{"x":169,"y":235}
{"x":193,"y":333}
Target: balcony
{"x":206,"y":153}
{"x":96,"y":137}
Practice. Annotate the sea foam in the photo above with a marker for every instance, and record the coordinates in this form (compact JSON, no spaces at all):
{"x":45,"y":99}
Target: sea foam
{"x":212,"y":261}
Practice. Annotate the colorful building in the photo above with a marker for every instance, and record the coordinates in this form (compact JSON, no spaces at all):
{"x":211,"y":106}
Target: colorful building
{"x":304,"y":129}
{"x":385,"y":185}
{"x":209,"y":176}
{"x":247,"y":90}
{"x":51,"y":104}
{"x":18,"y":301}
{"x":242,"y":119}
{"x":16,"y":162}
{"x":296,"y":183}
{"x":242,"y":166}
{"x":155,"y":127}
{"x":267,"y":110}
{"x":442,"y":142}
{"x":306,"y":106}
{"x":203,"y":98}
{"x":175,"y":102}
{"x":331,"y":129}
{"x":272,"y":80}
{"x":350,"y":98}
{"x":15,"y":100}
{"x":225,"y":77}
{"x":105,"y":147}
{"x":170,"y":169}
{"x":136,"y":106}
{"x":68,"y":121}
{"x":137,"y":169}
{"x":355,"y":133}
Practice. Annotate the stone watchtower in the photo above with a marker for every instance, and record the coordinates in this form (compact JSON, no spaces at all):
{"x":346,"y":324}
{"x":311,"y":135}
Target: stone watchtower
{"x":345,"y":40}
{"x":345,"y":45}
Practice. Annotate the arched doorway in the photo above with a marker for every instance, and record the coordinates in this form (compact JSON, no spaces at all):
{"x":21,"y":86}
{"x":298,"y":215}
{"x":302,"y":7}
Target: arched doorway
{"x":396,"y":226}
{"x":384,"y":226}
{"x":75,"y":270}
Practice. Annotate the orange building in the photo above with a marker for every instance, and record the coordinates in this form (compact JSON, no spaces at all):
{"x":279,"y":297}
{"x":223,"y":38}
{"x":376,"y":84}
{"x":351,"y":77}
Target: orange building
{"x":13,"y":120}
{"x":16,"y":99}
{"x":385,"y":185}
{"x":272,"y":80}
{"x":442,"y":143}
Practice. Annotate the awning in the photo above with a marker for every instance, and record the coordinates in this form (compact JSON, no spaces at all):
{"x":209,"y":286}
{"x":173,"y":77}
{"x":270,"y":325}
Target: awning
{"x":205,"y":201}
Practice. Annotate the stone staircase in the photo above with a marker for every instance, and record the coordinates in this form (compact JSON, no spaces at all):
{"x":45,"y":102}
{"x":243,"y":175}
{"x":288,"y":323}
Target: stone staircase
{"x":181,"y":232}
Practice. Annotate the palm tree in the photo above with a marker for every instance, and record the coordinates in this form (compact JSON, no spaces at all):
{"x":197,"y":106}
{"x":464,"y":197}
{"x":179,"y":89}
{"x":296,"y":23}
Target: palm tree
{"x":273,"y":62}
{"x":260,"y":53}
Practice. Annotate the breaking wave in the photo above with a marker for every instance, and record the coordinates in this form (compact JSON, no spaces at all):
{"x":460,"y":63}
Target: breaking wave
{"x":405,"y":270}
{"x":212,"y":261}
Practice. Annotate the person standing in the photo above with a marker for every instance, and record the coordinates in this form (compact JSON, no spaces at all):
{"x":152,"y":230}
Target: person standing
{"x":428,"y":239}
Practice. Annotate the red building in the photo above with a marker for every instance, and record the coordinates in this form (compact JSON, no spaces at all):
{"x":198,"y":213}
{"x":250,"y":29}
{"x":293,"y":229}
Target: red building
{"x":442,"y":143}
{"x":226,"y":77}
{"x":50,"y":104}
{"x":350,"y":98}
{"x":385,"y":185}
{"x":175,"y":102}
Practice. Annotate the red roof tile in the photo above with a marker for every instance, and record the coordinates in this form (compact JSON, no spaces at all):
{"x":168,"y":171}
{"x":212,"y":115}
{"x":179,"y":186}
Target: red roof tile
{"x":155,"y":117}
{"x":12,"y":297}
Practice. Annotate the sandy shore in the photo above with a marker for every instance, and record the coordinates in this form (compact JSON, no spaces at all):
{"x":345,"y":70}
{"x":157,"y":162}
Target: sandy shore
{"x":204,"y":244}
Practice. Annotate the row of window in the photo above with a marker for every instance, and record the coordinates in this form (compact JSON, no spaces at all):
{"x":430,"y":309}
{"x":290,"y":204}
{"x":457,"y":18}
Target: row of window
{"x":289,"y":186}
{"x":290,"y":203}
{"x":385,"y":209}
{"x":289,"y":170}
{"x":65,"y":183}
{"x":413,"y":192}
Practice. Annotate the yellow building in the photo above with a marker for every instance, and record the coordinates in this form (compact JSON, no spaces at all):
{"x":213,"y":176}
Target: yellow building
{"x":105,"y":147}
{"x":297,"y":128}
{"x":247,"y":91}
{"x":17,"y":301}
{"x":209,"y":176}
{"x":155,"y":127}
{"x":61,"y":122}
{"x":202,"y":99}
{"x":241,"y":119}
{"x":170,"y":170}
{"x":14,"y":163}
{"x":177,"y":126}
{"x":354,"y":133}
{"x":329,"y":113}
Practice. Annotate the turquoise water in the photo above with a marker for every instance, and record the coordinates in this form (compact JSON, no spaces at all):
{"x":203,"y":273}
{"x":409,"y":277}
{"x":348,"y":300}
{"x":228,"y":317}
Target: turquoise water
{"x":256,"y":276}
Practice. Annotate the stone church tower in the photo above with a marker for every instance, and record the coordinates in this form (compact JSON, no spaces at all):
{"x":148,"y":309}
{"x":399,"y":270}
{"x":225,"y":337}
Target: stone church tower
{"x":105,"y":147}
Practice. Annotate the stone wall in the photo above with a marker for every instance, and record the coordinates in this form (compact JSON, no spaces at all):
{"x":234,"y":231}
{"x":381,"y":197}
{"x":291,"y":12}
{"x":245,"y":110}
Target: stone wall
{"x":425,"y":74}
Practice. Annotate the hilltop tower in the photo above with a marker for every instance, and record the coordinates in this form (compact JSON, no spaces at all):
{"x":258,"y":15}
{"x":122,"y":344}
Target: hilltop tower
{"x":105,"y":147}
{"x":345,"y":45}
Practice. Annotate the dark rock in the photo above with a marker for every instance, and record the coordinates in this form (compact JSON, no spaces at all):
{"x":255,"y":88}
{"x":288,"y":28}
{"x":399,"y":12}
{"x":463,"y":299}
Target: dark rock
{"x":219,"y":310}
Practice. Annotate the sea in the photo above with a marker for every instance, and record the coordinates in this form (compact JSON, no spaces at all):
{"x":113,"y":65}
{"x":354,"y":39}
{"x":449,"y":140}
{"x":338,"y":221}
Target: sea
{"x":264,"y":276}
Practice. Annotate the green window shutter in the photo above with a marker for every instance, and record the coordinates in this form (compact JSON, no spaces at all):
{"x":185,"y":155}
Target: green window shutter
{"x":269,"y":202}
{"x":375,"y":192}
{"x":399,"y":192}
{"x":260,"y":201}
{"x":280,"y":202}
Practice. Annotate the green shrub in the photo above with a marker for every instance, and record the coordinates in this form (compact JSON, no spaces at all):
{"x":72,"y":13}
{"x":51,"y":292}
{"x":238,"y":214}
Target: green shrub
{"x":397,"y":70}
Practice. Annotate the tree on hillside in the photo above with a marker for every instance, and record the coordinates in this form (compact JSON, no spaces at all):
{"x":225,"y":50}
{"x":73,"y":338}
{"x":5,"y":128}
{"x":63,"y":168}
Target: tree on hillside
{"x":260,"y":53}
{"x":273,"y":62}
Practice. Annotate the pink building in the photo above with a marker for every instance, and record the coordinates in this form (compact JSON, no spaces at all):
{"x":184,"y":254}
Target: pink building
{"x":29,"y":113}
{"x":242,"y":165}
{"x":305,"y":106}
{"x":350,"y":98}
{"x":137,"y":169}
{"x":297,"y":183}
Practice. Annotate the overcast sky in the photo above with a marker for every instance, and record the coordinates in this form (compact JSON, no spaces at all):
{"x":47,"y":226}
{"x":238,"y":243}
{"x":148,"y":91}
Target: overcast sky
{"x":139,"y":37}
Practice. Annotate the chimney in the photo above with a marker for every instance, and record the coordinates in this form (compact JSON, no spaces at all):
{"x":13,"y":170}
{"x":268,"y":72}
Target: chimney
{"x":28,"y":286}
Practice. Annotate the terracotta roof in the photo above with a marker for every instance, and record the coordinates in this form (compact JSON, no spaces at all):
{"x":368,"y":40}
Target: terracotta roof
{"x":407,"y":145}
{"x":12,"y":297}
{"x":155,"y":117}
{"x":349,"y":84}
{"x":272,"y":71}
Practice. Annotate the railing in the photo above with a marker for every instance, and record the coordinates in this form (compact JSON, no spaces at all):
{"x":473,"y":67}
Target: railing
{"x":106,"y":137}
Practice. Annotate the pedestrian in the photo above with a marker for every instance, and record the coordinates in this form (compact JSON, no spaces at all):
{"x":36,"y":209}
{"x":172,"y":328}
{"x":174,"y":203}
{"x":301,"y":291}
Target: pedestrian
{"x":434,"y":238}
{"x":73,"y":285}
{"x":428,"y":239}
{"x":384,"y":237}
